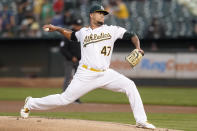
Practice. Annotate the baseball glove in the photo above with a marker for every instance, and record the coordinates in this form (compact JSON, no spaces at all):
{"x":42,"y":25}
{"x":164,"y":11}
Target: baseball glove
{"x":134,"y":57}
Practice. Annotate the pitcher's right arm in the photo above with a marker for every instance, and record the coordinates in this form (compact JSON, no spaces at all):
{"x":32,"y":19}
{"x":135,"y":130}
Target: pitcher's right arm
{"x":51,"y":28}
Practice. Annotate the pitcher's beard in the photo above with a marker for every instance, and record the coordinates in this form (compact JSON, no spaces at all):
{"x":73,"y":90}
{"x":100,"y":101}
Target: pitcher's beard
{"x":99,"y":23}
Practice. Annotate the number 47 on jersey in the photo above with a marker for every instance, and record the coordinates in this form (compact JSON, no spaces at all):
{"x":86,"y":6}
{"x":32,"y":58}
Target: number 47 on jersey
{"x":106,"y":50}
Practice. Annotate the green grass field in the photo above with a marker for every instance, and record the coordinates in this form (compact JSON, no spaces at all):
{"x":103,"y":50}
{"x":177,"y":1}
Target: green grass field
{"x":158,"y":96}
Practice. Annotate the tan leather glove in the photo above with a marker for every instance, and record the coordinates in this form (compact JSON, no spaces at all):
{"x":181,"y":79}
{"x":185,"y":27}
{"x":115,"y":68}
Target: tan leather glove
{"x":134,"y":57}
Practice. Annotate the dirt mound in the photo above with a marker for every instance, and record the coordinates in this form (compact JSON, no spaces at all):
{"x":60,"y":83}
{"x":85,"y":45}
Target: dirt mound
{"x":45,"y":124}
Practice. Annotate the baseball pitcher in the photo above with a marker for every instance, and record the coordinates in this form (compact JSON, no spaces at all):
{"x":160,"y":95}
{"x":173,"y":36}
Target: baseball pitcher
{"x":97,"y":42}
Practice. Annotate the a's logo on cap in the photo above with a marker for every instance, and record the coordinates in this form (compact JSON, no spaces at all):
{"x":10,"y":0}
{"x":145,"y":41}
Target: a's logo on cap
{"x":102,"y":7}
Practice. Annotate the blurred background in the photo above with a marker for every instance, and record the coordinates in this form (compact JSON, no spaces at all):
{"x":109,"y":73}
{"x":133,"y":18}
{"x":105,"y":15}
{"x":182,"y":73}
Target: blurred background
{"x":167,"y":30}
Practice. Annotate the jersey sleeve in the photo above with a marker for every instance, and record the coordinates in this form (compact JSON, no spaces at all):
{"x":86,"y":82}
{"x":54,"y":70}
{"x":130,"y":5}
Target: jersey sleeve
{"x":118,"y":32}
{"x":78,"y":35}
{"x":75,"y":36}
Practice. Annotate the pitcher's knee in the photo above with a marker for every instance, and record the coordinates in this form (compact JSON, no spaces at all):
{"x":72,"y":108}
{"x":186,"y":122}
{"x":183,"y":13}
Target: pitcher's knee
{"x":132,"y":83}
{"x":131,"y":86}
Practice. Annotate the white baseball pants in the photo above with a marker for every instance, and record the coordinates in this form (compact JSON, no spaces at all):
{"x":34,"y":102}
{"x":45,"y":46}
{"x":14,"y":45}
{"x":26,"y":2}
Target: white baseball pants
{"x":86,"y":80}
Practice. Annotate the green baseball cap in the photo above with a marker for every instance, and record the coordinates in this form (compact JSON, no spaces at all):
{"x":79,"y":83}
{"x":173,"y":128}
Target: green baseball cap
{"x":98,"y":8}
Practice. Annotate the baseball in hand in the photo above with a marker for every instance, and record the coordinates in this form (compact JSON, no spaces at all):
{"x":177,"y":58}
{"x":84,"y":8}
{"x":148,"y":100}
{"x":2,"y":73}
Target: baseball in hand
{"x":46,"y":29}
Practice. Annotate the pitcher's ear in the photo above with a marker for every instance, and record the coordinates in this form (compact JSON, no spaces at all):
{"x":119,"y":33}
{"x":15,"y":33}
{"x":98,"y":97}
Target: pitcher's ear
{"x":91,"y":14}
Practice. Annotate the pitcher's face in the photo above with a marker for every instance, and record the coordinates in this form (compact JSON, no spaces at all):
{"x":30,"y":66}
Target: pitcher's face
{"x":97,"y":18}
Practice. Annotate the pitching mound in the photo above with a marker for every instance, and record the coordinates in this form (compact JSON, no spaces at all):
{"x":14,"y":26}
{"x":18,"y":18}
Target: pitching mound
{"x":46,"y":124}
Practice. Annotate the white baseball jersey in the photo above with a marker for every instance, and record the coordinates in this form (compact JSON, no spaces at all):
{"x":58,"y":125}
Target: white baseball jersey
{"x":97,"y":45}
